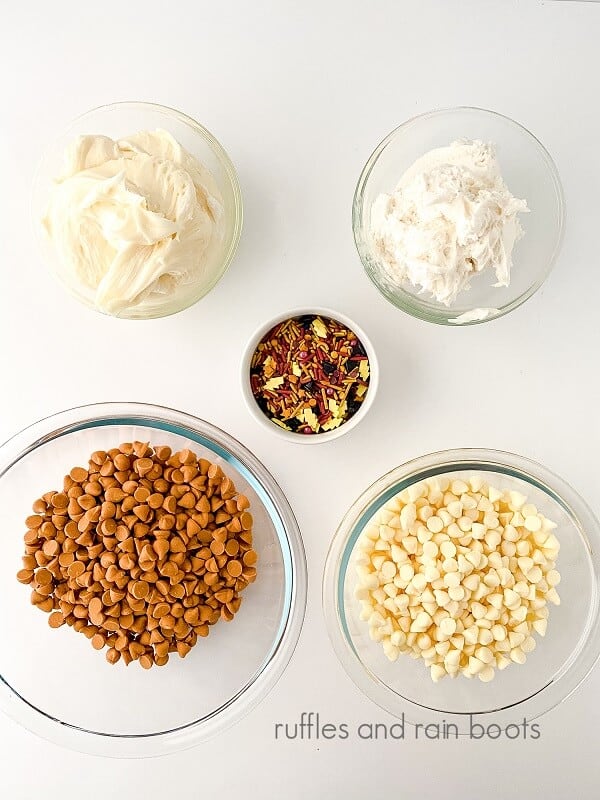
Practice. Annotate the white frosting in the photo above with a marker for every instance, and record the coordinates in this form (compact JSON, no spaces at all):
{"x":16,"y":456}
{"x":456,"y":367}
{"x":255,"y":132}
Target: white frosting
{"x":450,"y":217}
{"x":474,"y":315}
{"x":135,"y":221}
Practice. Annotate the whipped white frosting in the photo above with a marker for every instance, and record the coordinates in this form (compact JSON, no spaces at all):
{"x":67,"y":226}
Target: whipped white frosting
{"x":450,"y":217}
{"x":135,"y":222}
{"x":474,"y":315}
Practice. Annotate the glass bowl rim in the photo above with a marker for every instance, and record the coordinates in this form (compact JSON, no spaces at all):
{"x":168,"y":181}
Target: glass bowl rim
{"x":408,"y":302}
{"x":200,"y":130}
{"x":576,"y":668}
{"x":158,"y":743}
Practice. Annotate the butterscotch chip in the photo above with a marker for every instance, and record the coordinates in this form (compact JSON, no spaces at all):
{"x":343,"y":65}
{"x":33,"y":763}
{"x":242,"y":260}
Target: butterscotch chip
{"x":234,"y":568}
{"x":56,"y":619}
{"x":161,"y":648}
{"x":161,"y":610}
{"x":216,"y":503}
{"x":177,"y":545}
{"x":30,"y":537}
{"x":86,"y":501}
{"x":43,"y":576}
{"x":127,"y":562}
{"x":246,"y":521}
{"x":140,"y":589}
{"x":76,"y":569}
{"x":108,"y":527}
{"x":107,"y":469}
{"x":140,"y":552}
{"x":78,"y":474}
{"x":95,"y":610}
{"x":169,"y":569}
{"x":188,"y":500}
{"x":232,"y":547}
{"x":203,"y":504}
{"x":74,"y":509}
{"x":107,"y":510}
{"x":71,"y":530}
{"x":146,"y":661}
{"x":114,"y":494}
{"x":60,"y":500}
{"x":93,"y":514}
{"x":143,"y":465}
{"x":141,"y":494}
{"x":217,"y":548}
{"x":155,"y":500}
{"x":163,"y":453}
{"x":50,"y":547}
{"x":161,"y":548}
{"x":169,"y":505}
{"x":122,"y":462}
{"x":183,"y":648}
{"x":242,"y":502}
{"x":211,"y":565}
{"x":80,"y":612}
{"x":136,"y":650}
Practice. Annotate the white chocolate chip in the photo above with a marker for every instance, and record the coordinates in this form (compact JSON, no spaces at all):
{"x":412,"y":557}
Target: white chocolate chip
{"x":457,"y":574}
{"x":552,"y":577}
{"x":486,"y":674}
{"x":448,"y":626}
{"x":475,"y":665}
{"x":533,"y":523}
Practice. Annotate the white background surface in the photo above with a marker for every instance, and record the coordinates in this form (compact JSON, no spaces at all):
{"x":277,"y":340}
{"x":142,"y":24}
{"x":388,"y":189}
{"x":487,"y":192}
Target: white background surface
{"x":299,"y":94}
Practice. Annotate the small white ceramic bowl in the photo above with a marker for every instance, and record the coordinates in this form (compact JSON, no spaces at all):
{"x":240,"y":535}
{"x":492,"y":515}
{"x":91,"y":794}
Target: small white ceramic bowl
{"x":317,"y":438}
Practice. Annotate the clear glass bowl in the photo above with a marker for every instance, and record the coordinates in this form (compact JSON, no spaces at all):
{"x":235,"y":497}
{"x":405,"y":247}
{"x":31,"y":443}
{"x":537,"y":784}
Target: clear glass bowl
{"x":119,"y":120}
{"x":54,"y":683}
{"x":562,"y":659}
{"x":529,"y":173}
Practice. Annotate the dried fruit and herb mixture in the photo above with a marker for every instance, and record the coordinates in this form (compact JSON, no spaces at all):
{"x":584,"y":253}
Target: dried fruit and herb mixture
{"x":309,"y":374}
{"x":142,"y":551}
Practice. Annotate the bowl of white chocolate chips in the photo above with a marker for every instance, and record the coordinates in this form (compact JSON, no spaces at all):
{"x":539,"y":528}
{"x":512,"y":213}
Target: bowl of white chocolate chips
{"x":466,"y":582}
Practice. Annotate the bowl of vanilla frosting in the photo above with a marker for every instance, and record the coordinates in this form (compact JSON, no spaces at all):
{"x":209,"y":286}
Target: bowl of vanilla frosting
{"x":138,"y":208}
{"x":458,"y":216}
